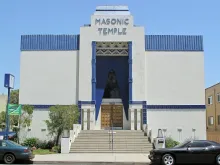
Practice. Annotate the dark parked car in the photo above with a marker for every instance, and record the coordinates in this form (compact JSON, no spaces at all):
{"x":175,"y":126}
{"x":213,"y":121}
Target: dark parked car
{"x":197,"y":151}
{"x":11,"y":151}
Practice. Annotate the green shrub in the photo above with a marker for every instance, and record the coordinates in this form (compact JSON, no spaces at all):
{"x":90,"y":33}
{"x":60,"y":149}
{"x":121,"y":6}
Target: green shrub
{"x":30,"y":142}
{"x":56,"y":149}
{"x":50,"y":144}
{"x":169,"y":142}
{"x":45,"y":145}
{"x":41,"y":144}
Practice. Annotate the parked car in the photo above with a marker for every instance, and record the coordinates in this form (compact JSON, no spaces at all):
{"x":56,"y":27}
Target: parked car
{"x":11,"y":151}
{"x":196,"y":151}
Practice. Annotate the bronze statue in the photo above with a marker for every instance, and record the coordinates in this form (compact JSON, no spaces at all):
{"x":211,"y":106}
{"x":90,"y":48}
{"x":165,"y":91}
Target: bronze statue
{"x":112,"y":88}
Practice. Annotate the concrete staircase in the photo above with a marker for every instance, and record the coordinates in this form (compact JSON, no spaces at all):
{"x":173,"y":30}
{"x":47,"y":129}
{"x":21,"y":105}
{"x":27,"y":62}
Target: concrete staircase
{"x":99,"y":141}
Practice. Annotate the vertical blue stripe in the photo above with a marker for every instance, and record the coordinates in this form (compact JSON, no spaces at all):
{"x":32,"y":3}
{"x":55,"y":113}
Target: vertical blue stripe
{"x":130,"y":81}
{"x":93,"y":70}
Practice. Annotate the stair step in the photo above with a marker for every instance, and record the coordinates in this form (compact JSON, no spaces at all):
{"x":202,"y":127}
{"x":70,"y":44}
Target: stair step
{"x":99,"y":141}
{"x":145,"y":152}
{"x":107,"y":149}
{"x":110,"y":151}
{"x":107,"y":141}
{"x":107,"y":144}
{"x":121,"y":131}
{"x":115,"y":136}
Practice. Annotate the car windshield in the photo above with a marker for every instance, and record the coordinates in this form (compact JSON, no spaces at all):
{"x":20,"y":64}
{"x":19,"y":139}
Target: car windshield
{"x":13,"y":143}
{"x":182,"y":144}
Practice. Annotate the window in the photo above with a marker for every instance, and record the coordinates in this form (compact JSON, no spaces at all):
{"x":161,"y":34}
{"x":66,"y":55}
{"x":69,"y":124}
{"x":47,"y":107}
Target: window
{"x":197,"y":144}
{"x":210,"y":100}
{"x":218,"y":119}
{"x":218,"y":97}
{"x":207,"y":144}
{"x":3,"y":144}
{"x":210,"y":120}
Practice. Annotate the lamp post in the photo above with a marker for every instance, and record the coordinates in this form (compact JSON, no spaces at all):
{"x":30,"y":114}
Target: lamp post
{"x":9,"y":84}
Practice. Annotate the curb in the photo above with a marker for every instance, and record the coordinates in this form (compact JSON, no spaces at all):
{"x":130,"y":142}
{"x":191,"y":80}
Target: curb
{"x":91,"y":163}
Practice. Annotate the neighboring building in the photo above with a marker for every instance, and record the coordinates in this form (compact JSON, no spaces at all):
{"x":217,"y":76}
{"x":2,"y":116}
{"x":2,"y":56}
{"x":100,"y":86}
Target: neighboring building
{"x":153,"y":81}
{"x":213,"y":107}
{"x":3,"y":102}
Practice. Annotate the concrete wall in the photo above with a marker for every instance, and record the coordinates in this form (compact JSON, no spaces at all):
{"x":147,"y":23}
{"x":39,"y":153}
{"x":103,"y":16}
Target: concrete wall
{"x":3,"y":102}
{"x":48,"y":77}
{"x":176,"y":78}
{"x":174,"y":119}
{"x":38,"y":126}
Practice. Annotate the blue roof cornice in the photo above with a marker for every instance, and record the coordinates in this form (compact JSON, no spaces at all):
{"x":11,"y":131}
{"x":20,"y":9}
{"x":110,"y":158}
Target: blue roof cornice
{"x":49,"y":42}
{"x":173,"y":43}
{"x":71,"y":42}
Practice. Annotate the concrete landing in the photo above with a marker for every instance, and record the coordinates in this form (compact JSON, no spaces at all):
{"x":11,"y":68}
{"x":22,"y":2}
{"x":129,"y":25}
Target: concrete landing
{"x":92,"y":158}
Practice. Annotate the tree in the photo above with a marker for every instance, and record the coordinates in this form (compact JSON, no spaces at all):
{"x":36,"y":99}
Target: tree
{"x":24,"y":119}
{"x":61,"y":117}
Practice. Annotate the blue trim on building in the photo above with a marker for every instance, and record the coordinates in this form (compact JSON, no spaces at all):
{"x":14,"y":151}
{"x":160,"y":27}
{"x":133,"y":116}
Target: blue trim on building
{"x":130,"y":78}
{"x":49,"y":42}
{"x":93,"y":70}
{"x":144,"y":109}
{"x":141,"y":102}
{"x":176,"y":107}
{"x":80,"y":103}
{"x":80,"y":112}
{"x":152,"y":42}
{"x":173,"y":43}
{"x":112,"y":10}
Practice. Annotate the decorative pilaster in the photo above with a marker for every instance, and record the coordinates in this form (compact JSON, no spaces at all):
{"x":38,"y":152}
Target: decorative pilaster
{"x":93,"y":70}
{"x":85,"y":119}
{"x":131,"y":112}
{"x":92,"y":118}
{"x":139,"y":119}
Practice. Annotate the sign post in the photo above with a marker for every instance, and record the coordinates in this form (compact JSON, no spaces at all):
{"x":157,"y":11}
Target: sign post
{"x":9,"y":84}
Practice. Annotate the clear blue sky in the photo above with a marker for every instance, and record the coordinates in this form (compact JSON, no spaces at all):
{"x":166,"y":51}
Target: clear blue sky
{"x":19,"y":17}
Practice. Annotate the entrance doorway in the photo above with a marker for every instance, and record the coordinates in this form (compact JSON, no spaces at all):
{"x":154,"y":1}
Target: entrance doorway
{"x":112,"y":116}
{"x":112,"y":74}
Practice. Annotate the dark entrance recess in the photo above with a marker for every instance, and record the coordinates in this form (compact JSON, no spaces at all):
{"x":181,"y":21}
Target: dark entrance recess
{"x":112,"y":80}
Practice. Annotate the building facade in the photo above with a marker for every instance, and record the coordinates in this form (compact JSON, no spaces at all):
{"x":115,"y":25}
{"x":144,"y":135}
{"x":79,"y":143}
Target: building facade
{"x":213,"y":107}
{"x":3,"y":102}
{"x":118,"y":76}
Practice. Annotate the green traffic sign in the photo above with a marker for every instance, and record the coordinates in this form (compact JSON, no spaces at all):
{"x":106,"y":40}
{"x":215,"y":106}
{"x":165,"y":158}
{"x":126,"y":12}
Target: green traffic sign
{"x":14,"y":109}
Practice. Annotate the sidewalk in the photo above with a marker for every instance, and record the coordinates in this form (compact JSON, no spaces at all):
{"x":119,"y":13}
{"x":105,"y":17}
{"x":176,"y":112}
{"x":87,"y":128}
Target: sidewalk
{"x":92,"y":158}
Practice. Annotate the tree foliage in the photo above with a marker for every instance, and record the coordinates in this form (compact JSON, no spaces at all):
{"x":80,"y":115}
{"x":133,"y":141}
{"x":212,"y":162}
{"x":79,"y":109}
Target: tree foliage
{"x":61,"y":117}
{"x":24,"y":119}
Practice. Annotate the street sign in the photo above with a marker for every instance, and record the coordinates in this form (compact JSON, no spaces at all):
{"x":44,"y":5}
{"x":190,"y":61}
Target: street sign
{"x":9,"y":81}
{"x":14,"y":109}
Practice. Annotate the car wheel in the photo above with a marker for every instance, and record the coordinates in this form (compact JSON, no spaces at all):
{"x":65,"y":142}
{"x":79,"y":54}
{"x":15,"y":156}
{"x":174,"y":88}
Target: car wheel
{"x":9,"y":158}
{"x":168,"y":159}
{"x":218,"y":159}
